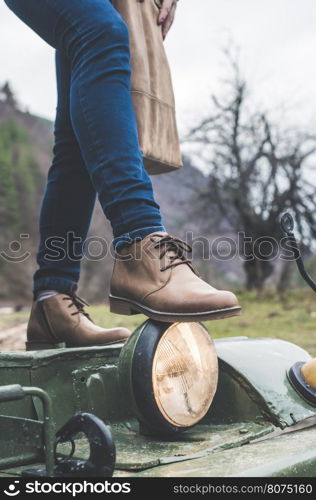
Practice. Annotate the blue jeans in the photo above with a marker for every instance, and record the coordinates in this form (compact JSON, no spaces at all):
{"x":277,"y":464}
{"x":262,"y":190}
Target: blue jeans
{"x":96,"y":148}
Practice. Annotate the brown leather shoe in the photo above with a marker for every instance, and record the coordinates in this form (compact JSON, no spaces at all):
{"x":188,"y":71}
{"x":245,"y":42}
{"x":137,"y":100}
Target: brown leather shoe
{"x":61,"y":321}
{"x":153,"y":277}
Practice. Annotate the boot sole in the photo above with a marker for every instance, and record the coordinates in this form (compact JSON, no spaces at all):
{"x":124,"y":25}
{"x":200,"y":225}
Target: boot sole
{"x":41,"y":346}
{"x":119,"y":305}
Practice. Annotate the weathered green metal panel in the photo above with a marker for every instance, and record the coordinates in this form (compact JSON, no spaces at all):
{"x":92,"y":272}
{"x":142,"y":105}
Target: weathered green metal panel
{"x":288,"y":455}
{"x":97,"y":391}
{"x":298,"y":465}
{"x":228,"y":454}
{"x":136,"y":453}
{"x":233,"y":402}
{"x":253,"y":393}
{"x":256,"y":370}
{"x":253,"y":382}
{"x":21,"y":441}
{"x":57,"y":372}
{"x":15,"y":369}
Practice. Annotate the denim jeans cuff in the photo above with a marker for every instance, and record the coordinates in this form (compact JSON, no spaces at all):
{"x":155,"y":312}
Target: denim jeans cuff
{"x":61,"y":285}
{"x":137,"y":234}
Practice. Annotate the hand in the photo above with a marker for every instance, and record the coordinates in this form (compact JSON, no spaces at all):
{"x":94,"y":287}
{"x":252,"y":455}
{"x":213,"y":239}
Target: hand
{"x":166,"y":15}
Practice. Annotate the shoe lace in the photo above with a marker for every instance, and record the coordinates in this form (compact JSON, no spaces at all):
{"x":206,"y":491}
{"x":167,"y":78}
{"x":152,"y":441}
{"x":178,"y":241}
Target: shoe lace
{"x":79,"y":303}
{"x":175,"y":250}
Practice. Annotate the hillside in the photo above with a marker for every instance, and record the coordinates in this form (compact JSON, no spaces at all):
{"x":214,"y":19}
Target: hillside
{"x":25,"y":144}
{"x":25,"y":156}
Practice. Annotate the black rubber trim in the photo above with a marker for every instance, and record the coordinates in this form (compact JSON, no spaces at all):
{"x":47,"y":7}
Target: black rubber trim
{"x":142,"y":363}
{"x":300,"y":384}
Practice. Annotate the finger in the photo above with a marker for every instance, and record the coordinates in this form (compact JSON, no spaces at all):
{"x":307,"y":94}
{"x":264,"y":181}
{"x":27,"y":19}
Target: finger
{"x":169,"y":21}
{"x":164,"y":11}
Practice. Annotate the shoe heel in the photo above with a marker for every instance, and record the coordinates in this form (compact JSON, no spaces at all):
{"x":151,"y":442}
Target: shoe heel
{"x":118,"y":306}
{"x":40,"y":346}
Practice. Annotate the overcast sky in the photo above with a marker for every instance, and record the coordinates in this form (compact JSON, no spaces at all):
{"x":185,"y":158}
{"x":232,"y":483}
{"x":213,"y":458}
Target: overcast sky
{"x":277,"y":40}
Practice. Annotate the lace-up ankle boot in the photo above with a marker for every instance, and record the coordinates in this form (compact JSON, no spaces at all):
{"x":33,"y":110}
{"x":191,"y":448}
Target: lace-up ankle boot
{"x":61,"y":321}
{"x":154,"y":277}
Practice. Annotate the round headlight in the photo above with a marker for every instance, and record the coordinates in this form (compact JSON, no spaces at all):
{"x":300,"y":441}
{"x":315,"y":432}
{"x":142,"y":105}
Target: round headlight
{"x":169,"y":372}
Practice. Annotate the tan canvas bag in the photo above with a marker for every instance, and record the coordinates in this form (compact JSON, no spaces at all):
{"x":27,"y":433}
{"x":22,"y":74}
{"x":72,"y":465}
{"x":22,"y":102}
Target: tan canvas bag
{"x":152,"y":90}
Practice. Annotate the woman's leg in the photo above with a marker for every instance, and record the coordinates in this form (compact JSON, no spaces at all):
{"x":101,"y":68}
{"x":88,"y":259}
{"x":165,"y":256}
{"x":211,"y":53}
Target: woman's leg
{"x":95,"y":39}
{"x":58,"y":319}
{"x":68,"y":201}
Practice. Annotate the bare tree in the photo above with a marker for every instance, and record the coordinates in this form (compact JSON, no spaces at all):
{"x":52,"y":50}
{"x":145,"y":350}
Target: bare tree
{"x":8,"y":95}
{"x":256,"y":169}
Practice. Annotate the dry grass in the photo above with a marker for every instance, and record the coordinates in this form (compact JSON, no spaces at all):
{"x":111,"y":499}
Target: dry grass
{"x":291,"y":318}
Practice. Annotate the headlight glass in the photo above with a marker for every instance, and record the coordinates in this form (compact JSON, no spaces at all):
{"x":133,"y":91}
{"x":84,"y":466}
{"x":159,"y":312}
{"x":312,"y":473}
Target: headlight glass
{"x":184,"y":373}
